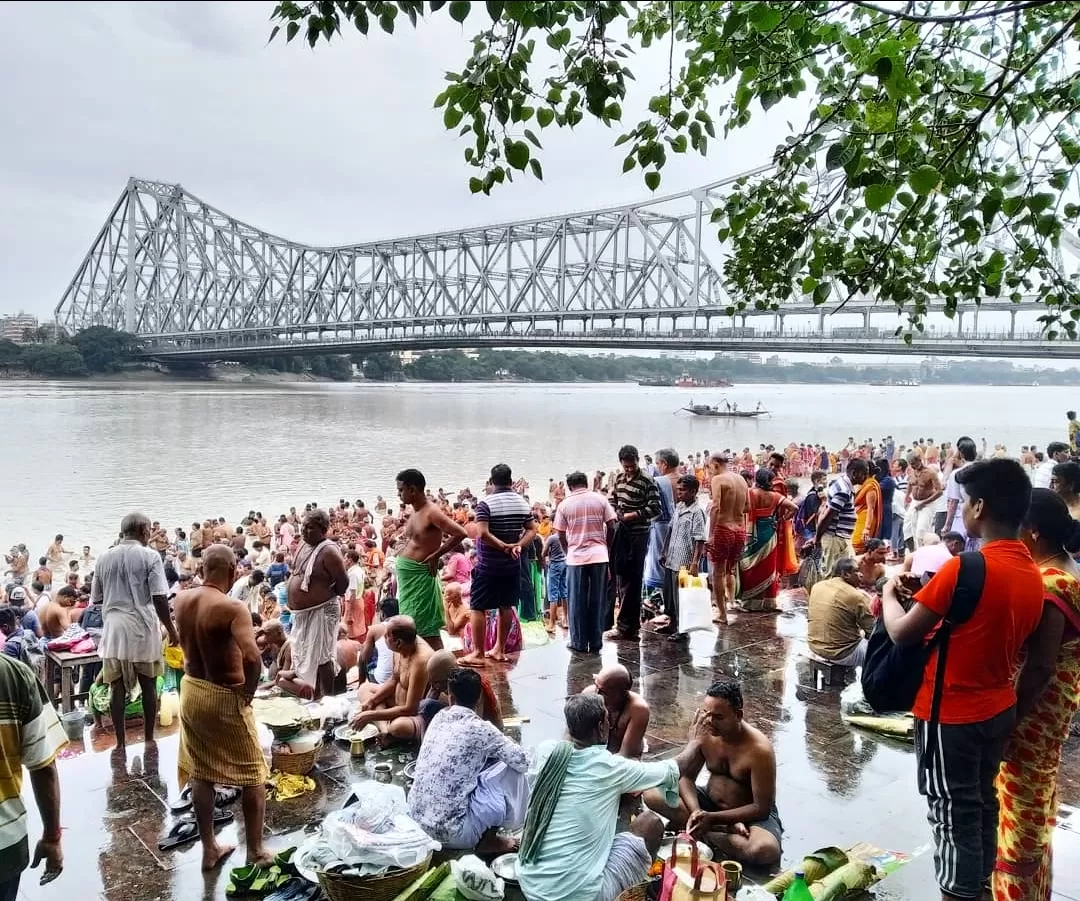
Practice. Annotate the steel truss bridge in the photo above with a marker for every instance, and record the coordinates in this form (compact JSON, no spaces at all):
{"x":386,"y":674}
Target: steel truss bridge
{"x":197,"y":284}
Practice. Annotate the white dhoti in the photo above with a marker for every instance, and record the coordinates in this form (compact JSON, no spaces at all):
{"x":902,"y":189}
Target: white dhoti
{"x":917,"y":522}
{"x":314,"y":639}
{"x":499,"y":801}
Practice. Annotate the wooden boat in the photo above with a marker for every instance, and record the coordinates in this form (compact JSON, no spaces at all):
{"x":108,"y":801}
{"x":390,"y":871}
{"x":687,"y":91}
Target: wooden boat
{"x":656,"y":383}
{"x":718,"y":413}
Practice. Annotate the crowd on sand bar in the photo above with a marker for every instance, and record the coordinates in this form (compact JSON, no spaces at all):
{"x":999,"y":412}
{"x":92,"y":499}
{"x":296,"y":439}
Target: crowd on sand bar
{"x":413,"y":604}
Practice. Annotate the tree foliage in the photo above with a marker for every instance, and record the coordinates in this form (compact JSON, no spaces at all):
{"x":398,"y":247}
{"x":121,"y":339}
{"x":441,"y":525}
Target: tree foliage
{"x":938,"y":157}
{"x":105,"y":349}
{"x":55,"y":360}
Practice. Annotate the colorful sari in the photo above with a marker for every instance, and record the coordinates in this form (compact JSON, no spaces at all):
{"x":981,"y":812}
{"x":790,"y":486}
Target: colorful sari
{"x":758,"y":569}
{"x":787,"y":560}
{"x":1027,"y":782}
{"x":867,"y":521}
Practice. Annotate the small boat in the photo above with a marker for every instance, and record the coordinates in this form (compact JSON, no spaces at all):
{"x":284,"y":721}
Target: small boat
{"x":656,"y":383}
{"x":724,"y":413}
{"x":897,"y":383}
{"x":688,"y":381}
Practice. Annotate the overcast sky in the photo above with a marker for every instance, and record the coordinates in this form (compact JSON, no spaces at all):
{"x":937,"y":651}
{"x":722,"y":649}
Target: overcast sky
{"x":331,"y":146}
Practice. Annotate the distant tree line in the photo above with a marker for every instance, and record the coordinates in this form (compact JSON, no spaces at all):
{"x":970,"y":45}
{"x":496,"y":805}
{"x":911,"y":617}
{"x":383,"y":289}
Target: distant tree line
{"x":492,"y":365}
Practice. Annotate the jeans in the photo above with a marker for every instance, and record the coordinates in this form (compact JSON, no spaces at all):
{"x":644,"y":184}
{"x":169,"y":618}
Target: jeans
{"x":897,"y":533}
{"x":587,"y":601}
{"x":556,"y":581}
{"x":629,"y":574}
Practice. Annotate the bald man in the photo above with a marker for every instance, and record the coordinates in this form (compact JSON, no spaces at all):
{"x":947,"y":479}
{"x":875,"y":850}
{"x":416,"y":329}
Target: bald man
{"x":218,"y":741}
{"x":628,"y":714}
{"x":394,"y":705}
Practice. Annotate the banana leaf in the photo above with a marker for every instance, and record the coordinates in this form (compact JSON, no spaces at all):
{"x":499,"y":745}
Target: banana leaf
{"x":814,"y":867}
{"x":852,"y":877}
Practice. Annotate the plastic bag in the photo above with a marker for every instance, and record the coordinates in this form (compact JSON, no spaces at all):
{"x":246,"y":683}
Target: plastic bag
{"x":373,"y":805}
{"x":852,"y":702}
{"x":403,"y":844}
{"x":695,"y":609}
{"x":475,"y":881}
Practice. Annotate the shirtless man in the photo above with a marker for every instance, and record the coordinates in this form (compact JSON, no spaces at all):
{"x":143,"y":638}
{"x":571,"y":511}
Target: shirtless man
{"x":159,"y":541}
{"x":727,"y":537}
{"x":628,"y":713}
{"x":419,"y":594}
{"x":56,"y":616}
{"x":222,"y":531}
{"x":19,"y":562}
{"x":218,"y":741}
{"x":872,"y":563}
{"x":393,"y":705}
{"x":736,"y":812}
{"x":56,"y":553}
{"x":318,"y":581}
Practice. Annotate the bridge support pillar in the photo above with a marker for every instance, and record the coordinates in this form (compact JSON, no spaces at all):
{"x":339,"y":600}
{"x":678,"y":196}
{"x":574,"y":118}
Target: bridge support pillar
{"x":821,"y":323}
{"x":1012,"y":323}
{"x":866,"y":320}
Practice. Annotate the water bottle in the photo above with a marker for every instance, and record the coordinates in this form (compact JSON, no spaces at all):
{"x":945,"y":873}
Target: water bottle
{"x":798,"y":890}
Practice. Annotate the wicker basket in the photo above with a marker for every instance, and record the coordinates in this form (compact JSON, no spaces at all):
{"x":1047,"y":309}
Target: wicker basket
{"x":634,"y":893}
{"x":298,"y":764}
{"x":384,"y":887}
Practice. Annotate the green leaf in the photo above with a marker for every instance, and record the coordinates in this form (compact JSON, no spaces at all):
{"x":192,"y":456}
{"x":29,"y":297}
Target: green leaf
{"x":822,"y":292}
{"x":544,"y":116}
{"x":291,"y":31}
{"x":878,"y":197}
{"x":517,"y":154}
{"x":495,"y":9}
{"x":924,"y":180}
{"x":1060,"y":179}
{"x":476,"y":185}
{"x":386,"y":21}
{"x":459,"y":10}
{"x":536,"y":170}
{"x":1012,"y":205}
{"x":880,"y":117}
{"x":1041,"y":202}
{"x":652,"y":180}
{"x":452,"y":117}
{"x":809,"y":284}
{"x":533,"y":139}
{"x":764,"y":17}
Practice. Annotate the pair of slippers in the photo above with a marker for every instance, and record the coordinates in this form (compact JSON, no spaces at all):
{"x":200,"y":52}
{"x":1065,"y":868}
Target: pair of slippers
{"x":224,"y":795}
{"x":277,"y":882}
{"x":186,"y":830}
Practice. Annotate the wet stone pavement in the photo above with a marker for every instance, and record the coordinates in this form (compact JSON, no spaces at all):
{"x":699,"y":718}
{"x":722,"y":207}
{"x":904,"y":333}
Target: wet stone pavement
{"x":836,"y":785}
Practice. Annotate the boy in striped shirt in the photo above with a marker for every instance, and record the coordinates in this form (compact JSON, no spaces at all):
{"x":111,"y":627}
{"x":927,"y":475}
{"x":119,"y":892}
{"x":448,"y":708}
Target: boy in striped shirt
{"x":683,"y":549}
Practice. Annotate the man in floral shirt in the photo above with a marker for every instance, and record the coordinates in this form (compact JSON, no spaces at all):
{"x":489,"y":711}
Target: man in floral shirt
{"x":470,"y":778}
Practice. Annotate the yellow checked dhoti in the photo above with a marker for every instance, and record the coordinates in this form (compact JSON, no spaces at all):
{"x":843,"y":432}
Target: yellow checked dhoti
{"x":218,"y":741}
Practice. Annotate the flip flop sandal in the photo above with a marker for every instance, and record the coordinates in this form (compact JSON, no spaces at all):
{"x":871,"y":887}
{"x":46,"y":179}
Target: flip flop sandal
{"x":182,"y":803}
{"x":255,"y":880}
{"x":225,"y":795}
{"x":187,"y":830}
{"x":296,"y":889}
{"x":182,"y":833}
{"x":283,"y":860}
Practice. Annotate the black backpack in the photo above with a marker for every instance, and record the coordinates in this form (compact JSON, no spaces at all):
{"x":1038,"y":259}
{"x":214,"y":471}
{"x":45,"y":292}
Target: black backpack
{"x":892,"y":675}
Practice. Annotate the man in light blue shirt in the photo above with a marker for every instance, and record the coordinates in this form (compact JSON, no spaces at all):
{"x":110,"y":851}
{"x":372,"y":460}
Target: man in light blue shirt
{"x":570,"y":851}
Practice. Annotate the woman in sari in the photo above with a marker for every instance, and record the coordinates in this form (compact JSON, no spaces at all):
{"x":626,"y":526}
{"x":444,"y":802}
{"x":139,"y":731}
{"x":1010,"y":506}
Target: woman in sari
{"x":1047,"y":696}
{"x":867,"y":512}
{"x":759,"y":567}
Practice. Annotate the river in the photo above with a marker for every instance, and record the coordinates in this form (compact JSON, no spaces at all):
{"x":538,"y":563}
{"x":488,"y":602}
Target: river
{"x":79,"y":455}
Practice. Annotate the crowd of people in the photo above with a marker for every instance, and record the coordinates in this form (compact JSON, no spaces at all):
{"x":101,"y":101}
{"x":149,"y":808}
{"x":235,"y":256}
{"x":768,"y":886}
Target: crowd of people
{"x":413,"y":602}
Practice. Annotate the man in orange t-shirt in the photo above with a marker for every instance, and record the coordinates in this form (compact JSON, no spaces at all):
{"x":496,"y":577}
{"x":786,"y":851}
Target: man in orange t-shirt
{"x":978,"y":696}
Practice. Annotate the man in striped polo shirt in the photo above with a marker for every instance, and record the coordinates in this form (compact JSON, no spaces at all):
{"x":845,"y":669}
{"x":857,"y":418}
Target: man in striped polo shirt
{"x":506,"y":525}
{"x":636,"y":500}
{"x":837,"y":523}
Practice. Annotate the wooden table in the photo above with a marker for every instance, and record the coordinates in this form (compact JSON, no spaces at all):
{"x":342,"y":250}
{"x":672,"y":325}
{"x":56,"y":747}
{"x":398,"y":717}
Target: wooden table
{"x":66,"y":662}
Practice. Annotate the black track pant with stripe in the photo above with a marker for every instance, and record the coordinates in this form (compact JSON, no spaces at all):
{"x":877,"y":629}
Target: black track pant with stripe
{"x":958,"y":784}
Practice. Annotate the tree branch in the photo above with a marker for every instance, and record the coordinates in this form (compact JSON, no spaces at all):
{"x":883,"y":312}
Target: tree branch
{"x":990,"y":13}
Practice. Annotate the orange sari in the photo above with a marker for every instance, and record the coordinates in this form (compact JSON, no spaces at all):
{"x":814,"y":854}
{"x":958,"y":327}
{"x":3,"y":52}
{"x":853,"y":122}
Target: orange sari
{"x":867,"y":520}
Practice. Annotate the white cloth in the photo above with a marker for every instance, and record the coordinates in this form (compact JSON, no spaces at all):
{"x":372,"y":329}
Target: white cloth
{"x":314,"y":630}
{"x":917,"y":522}
{"x":1043,"y":473}
{"x":384,"y":666}
{"x":953,"y":492}
{"x":127,"y":578}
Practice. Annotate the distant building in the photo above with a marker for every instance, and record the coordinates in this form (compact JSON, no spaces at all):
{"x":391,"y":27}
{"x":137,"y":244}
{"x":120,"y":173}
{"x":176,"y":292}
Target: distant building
{"x":748,"y":357}
{"x":13,"y":327}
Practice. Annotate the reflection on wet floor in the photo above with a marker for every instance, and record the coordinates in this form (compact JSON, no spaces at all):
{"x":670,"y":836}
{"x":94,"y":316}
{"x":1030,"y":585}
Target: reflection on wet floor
{"x":836,"y":785}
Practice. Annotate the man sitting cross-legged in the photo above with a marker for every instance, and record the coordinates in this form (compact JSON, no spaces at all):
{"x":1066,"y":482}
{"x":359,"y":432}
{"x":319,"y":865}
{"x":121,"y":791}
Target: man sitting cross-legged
{"x":735,"y":813}
{"x":470,"y":778}
{"x":394,"y":705}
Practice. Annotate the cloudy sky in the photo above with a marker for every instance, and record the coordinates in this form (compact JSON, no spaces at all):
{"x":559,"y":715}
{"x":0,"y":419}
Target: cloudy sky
{"x":331,"y":146}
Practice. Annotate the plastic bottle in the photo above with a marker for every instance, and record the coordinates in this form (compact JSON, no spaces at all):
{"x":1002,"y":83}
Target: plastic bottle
{"x":798,"y":890}
{"x":168,"y":707}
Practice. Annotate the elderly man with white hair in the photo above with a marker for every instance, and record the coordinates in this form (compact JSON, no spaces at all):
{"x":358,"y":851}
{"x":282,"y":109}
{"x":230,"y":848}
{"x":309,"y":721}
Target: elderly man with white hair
{"x":129,"y":583}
